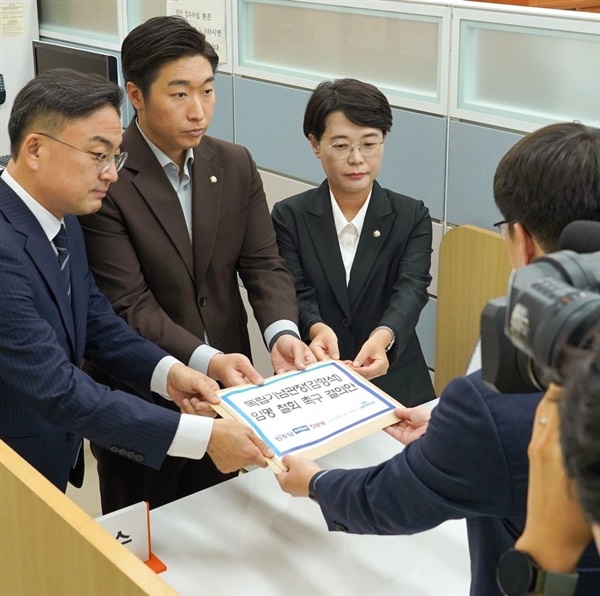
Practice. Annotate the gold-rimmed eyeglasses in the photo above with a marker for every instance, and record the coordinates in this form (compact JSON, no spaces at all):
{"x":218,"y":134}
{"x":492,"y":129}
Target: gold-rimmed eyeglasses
{"x":343,"y":149}
{"x":103,"y":160}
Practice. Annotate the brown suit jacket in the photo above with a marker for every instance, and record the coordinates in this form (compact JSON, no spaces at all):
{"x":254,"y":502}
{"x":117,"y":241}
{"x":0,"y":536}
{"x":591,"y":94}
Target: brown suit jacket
{"x":172,"y":290}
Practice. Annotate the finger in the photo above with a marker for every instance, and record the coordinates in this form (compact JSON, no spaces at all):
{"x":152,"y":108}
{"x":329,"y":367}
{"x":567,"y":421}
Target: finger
{"x":259,"y":460}
{"x":309,"y":357}
{"x":372,"y":368}
{"x":235,"y":378}
{"x":250,"y":373}
{"x":300,"y":355}
{"x":263,"y":447}
{"x":202,"y":408}
{"x":360,"y":371}
{"x":208,"y":391}
{"x":186,"y":407}
{"x":319,"y":352}
{"x":360,"y":360}
{"x":332,"y":349}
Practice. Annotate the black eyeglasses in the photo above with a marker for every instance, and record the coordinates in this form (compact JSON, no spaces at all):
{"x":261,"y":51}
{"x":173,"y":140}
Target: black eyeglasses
{"x":501,"y":225}
{"x":103,"y":160}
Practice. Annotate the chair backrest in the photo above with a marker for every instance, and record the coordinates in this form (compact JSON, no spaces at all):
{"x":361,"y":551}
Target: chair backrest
{"x":473,"y":268}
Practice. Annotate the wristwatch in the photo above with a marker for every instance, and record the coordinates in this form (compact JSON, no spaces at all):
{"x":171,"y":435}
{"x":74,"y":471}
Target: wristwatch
{"x":391,"y":332}
{"x":518,"y":575}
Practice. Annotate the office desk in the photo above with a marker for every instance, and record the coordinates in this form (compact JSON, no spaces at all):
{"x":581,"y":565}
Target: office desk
{"x":248,"y":537}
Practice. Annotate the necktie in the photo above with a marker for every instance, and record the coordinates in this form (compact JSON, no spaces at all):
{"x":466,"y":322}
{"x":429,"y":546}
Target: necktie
{"x":62,"y":246}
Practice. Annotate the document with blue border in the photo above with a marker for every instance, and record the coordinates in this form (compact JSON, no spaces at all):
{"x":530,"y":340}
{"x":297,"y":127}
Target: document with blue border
{"x":311,"y":412}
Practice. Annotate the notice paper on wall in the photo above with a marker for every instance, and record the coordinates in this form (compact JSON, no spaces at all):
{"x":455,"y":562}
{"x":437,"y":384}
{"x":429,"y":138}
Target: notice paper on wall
{"x":311,"y":412}
{"x":208,"y":17}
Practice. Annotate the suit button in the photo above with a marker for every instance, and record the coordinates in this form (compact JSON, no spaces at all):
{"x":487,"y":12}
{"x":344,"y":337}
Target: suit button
{"x":346,"y":323}
{"x":139,"y":458}
{"x":131,"y":455}
{"x":114,"y":449}
{"x":202,"y":301}
{"x":123,"y":451}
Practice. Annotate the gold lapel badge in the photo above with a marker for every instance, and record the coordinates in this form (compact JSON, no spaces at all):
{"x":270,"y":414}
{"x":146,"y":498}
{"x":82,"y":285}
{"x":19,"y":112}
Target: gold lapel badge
{"x":213,"y":179}
{"x":376,"y":233}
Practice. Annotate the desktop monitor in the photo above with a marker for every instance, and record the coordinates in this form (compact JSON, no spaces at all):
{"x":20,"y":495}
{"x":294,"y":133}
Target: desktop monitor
{"x":50,"y":55}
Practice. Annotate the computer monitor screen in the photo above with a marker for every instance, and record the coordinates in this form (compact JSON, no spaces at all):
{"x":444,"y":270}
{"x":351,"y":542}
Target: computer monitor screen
{"x":49,"y":55}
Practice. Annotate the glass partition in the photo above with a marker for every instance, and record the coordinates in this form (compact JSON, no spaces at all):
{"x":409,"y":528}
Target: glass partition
{"x":546,"y":72}
{"x":139,"y":12}
{"x":400,"y":52}
{"x":93,"y":20}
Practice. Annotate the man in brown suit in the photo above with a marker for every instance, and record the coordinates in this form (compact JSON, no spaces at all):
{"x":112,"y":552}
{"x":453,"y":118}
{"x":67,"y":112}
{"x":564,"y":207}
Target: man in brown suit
{"x":187,"y":215}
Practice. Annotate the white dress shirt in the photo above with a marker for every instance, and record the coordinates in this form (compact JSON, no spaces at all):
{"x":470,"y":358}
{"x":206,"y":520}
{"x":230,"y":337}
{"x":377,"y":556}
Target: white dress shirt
{"x":193,"y":432}
{"x":348,"y":232}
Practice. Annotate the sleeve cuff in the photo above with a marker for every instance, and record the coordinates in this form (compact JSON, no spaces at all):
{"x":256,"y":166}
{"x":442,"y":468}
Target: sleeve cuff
{"x":275,"y":330}
{"x":200,"y":358}
{"x":312,"y":485}
{"x":158,"y":382}
{"x":192,"y":436}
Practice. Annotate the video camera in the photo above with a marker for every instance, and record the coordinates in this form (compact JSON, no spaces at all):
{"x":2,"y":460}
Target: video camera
{"x":551,"y":304}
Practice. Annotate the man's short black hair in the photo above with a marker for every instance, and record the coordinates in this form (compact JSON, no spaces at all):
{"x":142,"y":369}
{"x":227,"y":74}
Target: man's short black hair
{"x":157,"y":41}
{"x":55,"y":98}
{"x":362,"y":103}
{"x":550,"y":178}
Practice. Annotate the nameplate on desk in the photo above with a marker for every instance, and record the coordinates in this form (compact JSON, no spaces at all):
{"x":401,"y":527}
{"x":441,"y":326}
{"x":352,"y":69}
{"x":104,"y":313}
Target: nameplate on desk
{"x":131,"y":527}
{"x":311,"y":412}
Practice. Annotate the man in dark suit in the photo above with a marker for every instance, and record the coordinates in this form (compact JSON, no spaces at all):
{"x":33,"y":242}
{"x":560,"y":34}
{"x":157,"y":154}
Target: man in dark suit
{"x":65,"y":133}
{"x":360,"y":254}
{"x":187,"y":215}
{"x":470,"y":459}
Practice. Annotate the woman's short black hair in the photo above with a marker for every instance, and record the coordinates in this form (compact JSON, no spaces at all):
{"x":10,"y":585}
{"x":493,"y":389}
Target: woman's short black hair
{"x":362,"y":103}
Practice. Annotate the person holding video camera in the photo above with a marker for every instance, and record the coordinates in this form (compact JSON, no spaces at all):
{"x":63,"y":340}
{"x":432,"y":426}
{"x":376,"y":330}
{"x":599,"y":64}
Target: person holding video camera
{"x":580,"y":430}
{"x":563,"y":504}
{"x":471,"y":460}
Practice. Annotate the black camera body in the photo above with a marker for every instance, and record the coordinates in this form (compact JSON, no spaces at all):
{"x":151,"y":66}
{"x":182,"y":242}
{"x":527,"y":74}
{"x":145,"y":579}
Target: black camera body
{"x":551,"y":305}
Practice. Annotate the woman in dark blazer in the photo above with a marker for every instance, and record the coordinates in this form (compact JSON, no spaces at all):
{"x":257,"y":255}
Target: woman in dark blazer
{"x":360,"y":254}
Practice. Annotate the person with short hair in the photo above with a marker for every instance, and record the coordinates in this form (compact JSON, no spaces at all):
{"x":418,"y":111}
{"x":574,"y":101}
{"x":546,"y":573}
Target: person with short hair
{"x":65,"y":133}
{"x":186,"y":220}
{"x":468,"y":458}
{"x":360,"y":254}
{"x":580,"y":429}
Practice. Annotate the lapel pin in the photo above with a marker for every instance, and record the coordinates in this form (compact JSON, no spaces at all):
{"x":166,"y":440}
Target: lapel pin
{"x":213,"y":179}
{"x":376,"y":233}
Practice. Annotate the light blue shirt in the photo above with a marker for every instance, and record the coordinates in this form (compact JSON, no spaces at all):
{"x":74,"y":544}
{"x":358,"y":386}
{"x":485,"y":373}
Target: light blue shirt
{"x":200,"y":358}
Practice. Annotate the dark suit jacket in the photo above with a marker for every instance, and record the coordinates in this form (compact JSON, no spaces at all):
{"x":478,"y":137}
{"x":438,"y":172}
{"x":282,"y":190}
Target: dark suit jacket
{"x":44,"y":397}
{"x":388,"y":281}
{"x":471,"y":463}
{"x":170,"y":290}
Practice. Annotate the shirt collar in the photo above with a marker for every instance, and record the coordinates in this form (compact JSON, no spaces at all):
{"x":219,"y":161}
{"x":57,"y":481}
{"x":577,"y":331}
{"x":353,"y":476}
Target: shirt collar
{"x":49,"y":223}
{"x":163,"y":159}
{"x":341,"y":222}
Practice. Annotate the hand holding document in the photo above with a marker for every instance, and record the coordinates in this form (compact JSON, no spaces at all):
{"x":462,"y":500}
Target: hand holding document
{"x":233,"y":445}
{"x":311,"y":412}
